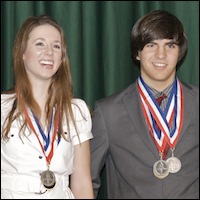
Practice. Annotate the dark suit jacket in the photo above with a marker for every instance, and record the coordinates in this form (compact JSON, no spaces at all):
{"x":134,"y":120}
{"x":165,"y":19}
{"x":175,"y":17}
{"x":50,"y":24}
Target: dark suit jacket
{"x":122,"y":141}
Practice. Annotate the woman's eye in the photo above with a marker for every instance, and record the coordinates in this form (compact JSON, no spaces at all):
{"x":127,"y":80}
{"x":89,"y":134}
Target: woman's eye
{"x":57,"y":46}
{"x":40,"y":44}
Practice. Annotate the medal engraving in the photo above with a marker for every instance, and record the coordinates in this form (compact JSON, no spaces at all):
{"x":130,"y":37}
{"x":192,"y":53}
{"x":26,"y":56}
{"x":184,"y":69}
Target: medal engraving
{"x":161,"y":169}
{"x":174,"y":164}
{"x":48,"y":179}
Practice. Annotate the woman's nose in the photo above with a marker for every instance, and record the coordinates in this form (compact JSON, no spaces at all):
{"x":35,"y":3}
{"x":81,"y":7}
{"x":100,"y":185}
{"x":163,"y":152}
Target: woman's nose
{"x":49,"y":50}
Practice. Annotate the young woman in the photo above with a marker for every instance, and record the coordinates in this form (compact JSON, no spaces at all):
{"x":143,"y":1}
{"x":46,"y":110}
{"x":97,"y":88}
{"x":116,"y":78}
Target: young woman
{"x":45,"y":131}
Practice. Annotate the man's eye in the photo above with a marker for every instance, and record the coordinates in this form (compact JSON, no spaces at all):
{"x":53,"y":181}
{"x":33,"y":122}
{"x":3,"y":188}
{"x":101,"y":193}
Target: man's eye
{"x":171,"y":45}
{"x":150,"y":45}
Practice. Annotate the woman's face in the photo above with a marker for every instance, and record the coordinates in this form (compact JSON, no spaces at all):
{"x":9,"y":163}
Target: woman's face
{"x":43,"y":54}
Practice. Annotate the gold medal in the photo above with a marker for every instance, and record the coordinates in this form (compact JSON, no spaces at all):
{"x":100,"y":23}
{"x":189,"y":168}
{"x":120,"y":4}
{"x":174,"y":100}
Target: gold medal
{"x":48,"y":179}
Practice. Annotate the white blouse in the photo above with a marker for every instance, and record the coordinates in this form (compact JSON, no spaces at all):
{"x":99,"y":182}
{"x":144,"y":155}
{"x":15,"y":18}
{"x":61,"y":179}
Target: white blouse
{"x":22,"y":160}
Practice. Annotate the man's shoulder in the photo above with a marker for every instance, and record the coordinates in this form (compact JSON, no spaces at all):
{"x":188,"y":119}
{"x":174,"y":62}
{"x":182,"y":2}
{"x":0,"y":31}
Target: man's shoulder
{"x":117,"y":95}
{"x":187,"y":87}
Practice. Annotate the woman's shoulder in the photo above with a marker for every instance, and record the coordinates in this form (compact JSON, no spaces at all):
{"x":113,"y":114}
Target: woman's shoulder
{"x":77,"y":102}
{"x":7,"y":98}
{"x":83,"y":121}
{"x":80,"y":108}
{"x":7,"y":101}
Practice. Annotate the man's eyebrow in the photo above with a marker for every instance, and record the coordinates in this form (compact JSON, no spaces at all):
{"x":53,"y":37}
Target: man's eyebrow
{"x":172,"y":42}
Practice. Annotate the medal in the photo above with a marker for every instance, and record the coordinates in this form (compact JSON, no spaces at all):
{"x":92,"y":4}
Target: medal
{"x":161,"y":169}
{"x":174,"y":163}
{"x":48,"y":179}
{"x":169,"y":122}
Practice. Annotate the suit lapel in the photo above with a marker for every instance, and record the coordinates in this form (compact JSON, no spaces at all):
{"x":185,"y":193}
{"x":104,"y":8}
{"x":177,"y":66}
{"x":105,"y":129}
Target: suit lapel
{"x":188,"y":108}
{"x":133,"y":106}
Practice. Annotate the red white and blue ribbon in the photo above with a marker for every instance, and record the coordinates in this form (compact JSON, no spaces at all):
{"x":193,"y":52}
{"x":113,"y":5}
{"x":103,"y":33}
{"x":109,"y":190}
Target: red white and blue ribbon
{"x":173,"y":113}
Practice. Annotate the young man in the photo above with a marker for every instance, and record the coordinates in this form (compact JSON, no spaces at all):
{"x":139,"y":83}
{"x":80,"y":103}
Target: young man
{"x":150,"y":151}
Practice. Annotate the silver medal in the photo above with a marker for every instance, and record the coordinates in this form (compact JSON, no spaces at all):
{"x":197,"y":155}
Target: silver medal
{"x":48,"y":179}
{"x":174,"y":164}
{"x":161,"y":169}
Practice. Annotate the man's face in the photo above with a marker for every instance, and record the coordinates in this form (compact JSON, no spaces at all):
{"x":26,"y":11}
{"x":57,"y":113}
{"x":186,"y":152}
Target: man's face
{"x":158,"y":60}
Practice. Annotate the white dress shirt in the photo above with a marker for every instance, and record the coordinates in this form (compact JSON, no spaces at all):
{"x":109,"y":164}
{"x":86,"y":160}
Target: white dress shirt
{"x":22,"y":160}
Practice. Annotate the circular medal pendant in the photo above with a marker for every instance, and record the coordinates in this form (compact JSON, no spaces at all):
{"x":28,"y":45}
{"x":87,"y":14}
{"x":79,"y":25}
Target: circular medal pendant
{"x":174,"y":164}
{"x":161,"y":169}
{"x":48,"y":179}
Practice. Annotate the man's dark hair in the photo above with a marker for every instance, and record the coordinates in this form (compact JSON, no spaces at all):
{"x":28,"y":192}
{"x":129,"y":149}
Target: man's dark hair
{"x":155,"y":25}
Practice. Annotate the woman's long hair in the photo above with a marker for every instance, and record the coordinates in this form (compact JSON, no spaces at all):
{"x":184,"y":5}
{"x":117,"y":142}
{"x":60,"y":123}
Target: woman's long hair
{"x":60,"y":90}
